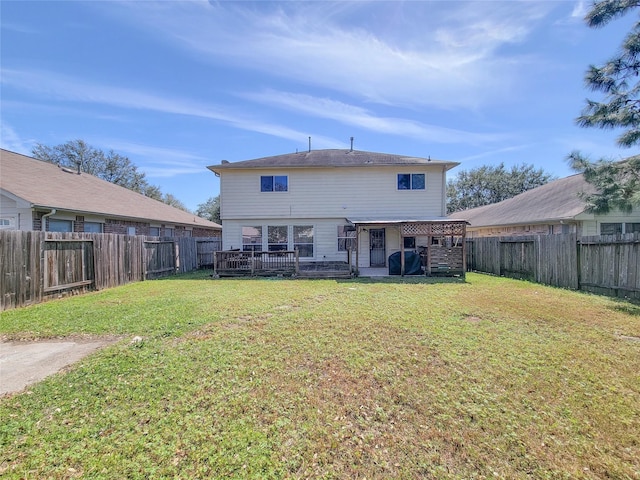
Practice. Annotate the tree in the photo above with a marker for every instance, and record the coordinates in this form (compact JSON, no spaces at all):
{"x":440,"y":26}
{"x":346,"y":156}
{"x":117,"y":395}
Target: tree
{"x":110,"y":166}
{"x":487,"y":184}
{"x":174,"y":202}
{"x":210,"y":209}
{"x":617,"y":183}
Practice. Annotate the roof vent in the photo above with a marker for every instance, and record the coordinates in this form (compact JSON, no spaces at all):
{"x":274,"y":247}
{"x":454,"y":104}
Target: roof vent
{"x":224,"y":162}
{"x":352,"y":144}
{"x":69,"y":170}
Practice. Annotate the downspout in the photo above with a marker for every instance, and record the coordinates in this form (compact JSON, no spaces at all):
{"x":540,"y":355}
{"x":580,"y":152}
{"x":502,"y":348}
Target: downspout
{"x":43,"y":224}
{"x":444,"y":192}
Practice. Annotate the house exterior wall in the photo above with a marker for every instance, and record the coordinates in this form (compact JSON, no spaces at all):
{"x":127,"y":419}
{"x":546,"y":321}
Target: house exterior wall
{"x":325,"y":198}
{"x":14,"y":213}
{"x":331,"y":193}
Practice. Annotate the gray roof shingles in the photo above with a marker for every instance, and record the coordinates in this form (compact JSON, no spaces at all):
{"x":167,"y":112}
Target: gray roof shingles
{"x":330,"y":158}
{"x":556,"y":200}
{"x":46,"y":185}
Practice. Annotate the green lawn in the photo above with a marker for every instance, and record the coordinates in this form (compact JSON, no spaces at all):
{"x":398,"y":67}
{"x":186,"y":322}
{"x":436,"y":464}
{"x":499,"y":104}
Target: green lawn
{"x":483,"y":378}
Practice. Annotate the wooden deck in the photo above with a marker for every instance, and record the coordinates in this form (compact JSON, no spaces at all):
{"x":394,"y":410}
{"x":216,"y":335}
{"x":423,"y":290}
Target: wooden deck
{"x":271,"y":264}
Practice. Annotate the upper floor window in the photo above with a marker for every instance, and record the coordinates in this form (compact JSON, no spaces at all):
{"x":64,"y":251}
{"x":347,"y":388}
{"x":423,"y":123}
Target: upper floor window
{"x":154,"y":231}
{"x":411,"y":181}
{"x":274,"y":183}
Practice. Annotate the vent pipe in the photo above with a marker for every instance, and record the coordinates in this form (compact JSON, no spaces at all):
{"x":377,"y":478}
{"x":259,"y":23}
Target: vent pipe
{"x":352,"y":144}
{"x":309,"y":143}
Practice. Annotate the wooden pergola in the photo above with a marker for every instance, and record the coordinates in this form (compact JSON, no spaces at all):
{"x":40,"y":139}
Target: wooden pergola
{"x":445,"y":251}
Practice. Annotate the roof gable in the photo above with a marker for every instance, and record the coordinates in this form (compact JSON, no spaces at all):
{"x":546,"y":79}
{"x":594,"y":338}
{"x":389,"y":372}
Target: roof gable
{"x":44,"y":184}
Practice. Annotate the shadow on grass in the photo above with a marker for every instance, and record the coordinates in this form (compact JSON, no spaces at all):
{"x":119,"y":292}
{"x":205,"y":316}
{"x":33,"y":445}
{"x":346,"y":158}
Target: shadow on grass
{"x":207,"y":274}
{"x":407,"y":279}
{"x":628,"y":306}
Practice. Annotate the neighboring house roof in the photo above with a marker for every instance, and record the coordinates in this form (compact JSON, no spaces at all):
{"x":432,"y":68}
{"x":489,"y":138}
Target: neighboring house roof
{"x":330,"y":158}
{"x":556,"y":200}
{"x":47,"y":185}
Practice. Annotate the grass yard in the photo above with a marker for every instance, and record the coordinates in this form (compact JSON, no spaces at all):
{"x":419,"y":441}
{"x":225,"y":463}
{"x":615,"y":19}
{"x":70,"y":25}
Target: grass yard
{"x":487,"y":378}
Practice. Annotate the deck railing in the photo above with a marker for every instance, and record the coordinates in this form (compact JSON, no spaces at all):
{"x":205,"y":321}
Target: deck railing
{"x":230,"y":263}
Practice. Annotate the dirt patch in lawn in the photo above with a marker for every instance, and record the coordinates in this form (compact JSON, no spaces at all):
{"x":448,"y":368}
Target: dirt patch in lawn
{"x":23,"y":363}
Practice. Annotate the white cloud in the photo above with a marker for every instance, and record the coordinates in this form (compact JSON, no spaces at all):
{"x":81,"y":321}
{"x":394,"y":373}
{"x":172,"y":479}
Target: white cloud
{"x":401,"y":53}
{"x":363,"y":118}
{"x":10,"y":140}
{"x":580,"y":10}
{"x":63,"y":88}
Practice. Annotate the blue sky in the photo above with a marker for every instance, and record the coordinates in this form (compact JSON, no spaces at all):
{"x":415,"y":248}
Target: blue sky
{"x":177,"y":85}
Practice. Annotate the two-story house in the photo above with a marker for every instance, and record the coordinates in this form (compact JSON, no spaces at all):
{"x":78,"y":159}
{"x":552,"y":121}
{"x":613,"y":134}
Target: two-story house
{"x":323,"y":203}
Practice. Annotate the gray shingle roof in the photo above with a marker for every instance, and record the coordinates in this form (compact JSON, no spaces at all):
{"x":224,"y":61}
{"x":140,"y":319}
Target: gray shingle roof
{"x":44,"y":184}
{"x":331,"y":158}
{"x":556,"y":200}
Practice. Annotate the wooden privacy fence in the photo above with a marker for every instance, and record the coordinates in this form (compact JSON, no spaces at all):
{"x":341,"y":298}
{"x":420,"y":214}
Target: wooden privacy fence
{"x":607,"y":264}
{"x":35,"y":266}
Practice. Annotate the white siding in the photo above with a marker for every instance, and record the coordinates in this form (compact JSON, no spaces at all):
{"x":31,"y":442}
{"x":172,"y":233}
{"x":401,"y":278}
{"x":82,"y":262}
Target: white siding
{"x":325,"y":237}
{"x":332,"y":193}
{"x":17,"y":212}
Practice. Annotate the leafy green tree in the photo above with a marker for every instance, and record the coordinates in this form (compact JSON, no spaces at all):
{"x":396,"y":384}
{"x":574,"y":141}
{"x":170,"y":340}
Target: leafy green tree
{"x":618,"y":183}
{"x":491,"y":184}
{"x":210,"y":209}
{"x":170,"y":199}
{"x":110,"y":166}
{"x":77,"y":154}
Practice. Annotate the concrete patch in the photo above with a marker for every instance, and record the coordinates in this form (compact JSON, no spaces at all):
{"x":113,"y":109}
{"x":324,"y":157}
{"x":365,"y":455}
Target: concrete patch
{"x":25,"y":363}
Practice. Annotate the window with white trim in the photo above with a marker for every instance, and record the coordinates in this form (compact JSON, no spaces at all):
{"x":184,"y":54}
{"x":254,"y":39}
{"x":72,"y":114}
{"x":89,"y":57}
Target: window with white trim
{"x":252,"y":239}
{"x":274,"y":183}
{"x":411,"y":181}
{"x":610,"y":228}
{"x":277,"y":238}
{"x":303,"y":240}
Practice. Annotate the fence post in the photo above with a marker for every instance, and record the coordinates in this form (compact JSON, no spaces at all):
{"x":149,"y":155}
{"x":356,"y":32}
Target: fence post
{"x":176,"y":256}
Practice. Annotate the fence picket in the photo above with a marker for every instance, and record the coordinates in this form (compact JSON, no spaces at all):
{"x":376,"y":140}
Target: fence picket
{"x":608,"y":265}
{"x":36,"y":266}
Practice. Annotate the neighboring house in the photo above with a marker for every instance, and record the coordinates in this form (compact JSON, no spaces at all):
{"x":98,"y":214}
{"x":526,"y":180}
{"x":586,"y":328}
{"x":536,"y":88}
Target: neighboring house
{"x":326,"y":202}
{"x":552,"y":208}
{"x":37,"y":195}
